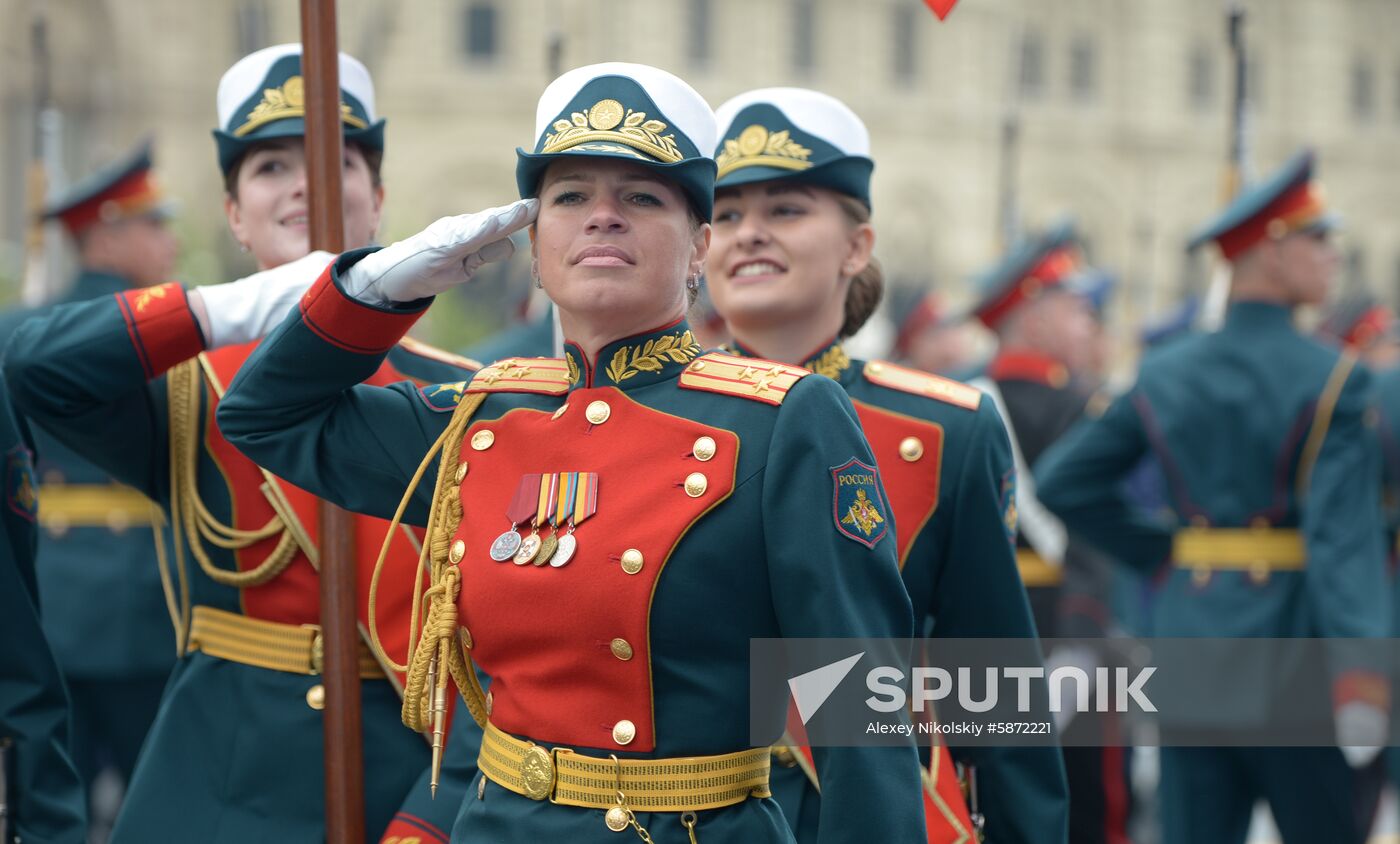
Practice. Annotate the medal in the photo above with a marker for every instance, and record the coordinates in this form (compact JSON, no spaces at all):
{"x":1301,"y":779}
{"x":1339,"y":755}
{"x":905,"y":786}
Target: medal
{"x":565,"y":552}
{"x":529,"y":547}
{"x":521,"y":507}
{"x":578,"y":501}
{"x":548,"y":547}
{"x":505,"y":546}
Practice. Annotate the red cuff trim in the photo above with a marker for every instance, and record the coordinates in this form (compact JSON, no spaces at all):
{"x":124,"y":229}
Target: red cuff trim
{"x":162,"y":328}
{"x":405,"y":827}
{"x":1362,"y":686}
{"x":351,"y":325}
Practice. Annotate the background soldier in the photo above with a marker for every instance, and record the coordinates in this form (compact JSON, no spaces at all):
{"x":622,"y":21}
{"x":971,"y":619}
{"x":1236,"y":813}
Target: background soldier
{"x":1045,"y":329}
{"x":1256,"y":428}
{"x":97,"y":549}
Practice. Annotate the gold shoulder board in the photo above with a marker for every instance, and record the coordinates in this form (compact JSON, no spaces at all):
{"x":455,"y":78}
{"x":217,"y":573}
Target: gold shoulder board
{"x":908,"y":380}
{"x":423,"y":350}
{"x":549,"y":376}
{"x":752,"y":378}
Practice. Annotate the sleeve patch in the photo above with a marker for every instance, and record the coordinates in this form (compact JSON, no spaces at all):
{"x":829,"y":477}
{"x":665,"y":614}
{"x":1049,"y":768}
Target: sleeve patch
{"x":442,"y":397}
{"x":21,"y":493}
{"x":858,"y":509}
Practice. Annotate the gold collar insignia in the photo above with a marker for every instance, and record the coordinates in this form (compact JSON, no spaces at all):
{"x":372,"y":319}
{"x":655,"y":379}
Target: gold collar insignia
{"x":830,"y":363}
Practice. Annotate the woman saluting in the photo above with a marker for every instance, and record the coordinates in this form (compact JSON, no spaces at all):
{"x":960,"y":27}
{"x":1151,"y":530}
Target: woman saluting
{"x":609,"y":529}
{"x":131,"y":382}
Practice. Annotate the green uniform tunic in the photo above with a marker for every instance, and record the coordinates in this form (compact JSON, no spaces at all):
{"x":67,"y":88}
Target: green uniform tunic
{"x":946,"y":462}
{"x":1228,"y":416}
{"x":743,"y":544}
{"x":236,"y":753}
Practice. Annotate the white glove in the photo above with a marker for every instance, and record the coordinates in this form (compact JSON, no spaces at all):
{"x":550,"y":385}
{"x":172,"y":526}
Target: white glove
{"x":244,"y":310}
{"x":1361,"y":732}
{"x":439,"y":257}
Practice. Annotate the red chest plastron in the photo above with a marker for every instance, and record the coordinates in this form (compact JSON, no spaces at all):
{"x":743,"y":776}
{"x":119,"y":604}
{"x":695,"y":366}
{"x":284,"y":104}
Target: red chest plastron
{"x":567,"y":648}
{"x":293,"y":597}
{"x":909,"y":452}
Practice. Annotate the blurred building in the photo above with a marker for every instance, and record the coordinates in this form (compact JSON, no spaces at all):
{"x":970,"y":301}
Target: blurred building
{"x":1122,"y":108}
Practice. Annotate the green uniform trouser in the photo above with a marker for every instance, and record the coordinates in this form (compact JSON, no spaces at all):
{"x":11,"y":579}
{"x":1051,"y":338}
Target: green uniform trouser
{"x":110,"y":721}
{"x":1208,"y":794}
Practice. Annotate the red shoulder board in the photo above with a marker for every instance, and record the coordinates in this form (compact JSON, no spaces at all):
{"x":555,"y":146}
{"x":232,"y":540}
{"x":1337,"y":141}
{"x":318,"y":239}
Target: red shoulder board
{"x":423,"y":350}
{"x":908,"y":380}
{"x":751,"y":378}
{"x":549,"y":376}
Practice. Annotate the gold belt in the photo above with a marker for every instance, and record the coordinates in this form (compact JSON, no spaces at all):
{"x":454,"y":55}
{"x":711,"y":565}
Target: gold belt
{"x":1035,"y":571}
{"x":682,"y":784}
{"x":294,"y":648}
{"x":94,"y":505}
{"x":1243,"y":549}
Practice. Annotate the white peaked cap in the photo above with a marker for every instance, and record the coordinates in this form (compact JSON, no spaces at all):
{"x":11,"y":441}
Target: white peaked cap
{"x":245,"y":78}
{"x":813,"y":112}
{"x":683,"y":106}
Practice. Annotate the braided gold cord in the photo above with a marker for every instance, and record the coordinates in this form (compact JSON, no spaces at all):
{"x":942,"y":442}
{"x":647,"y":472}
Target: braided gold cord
{"x":433,"y":654}
{"x":187,"y":508}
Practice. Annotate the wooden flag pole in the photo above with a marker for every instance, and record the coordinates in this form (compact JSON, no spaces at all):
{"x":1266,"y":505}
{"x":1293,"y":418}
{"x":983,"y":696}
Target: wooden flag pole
{"x":344,"y":762}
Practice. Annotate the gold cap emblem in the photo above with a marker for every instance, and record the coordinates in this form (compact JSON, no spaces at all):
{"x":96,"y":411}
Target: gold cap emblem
{"x":758,"y":147}
{"x":608,"y":121}
{"x":288,"y":100}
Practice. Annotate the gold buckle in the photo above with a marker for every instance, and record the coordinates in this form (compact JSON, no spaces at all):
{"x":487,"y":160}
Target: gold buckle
{"x":318,"y":649}
{"x":539,"y":771}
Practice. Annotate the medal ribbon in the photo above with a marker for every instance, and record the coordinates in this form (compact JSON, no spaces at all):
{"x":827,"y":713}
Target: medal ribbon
{"x":542,"y":497}
{"x":523,"y":505}
{"x":556,"y":480}
{"x":585,"y":497}
{"x":563,"y":507}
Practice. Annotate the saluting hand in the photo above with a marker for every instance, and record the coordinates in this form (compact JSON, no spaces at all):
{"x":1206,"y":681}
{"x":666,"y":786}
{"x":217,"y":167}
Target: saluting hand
{"x":444,"y":255}
{"x":244,"y":310}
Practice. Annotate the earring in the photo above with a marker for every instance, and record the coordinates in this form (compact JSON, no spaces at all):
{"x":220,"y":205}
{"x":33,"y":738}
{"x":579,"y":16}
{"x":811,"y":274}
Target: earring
{"x":535,"y":274}
{"x":242,"y":247}
{"x":692,"y":282}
